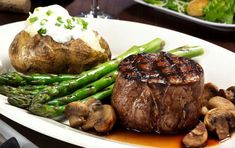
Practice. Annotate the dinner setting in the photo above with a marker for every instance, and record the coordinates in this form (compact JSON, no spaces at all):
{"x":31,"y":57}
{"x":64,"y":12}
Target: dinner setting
{"x":117,"y":73}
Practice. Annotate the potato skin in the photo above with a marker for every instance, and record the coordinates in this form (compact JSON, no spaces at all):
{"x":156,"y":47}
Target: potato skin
{"x":41,"y":54}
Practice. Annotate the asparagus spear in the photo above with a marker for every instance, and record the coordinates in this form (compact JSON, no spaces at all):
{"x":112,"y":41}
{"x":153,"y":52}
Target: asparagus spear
{"x":20,"y":96}
{"x":19,"y":79}
{"x":24,"y":101}
{"x":102,"y":94}
{"x":188,"y":51}
{"x":86,"y":91}
{"x":26,"y":90}
{"x":54,"y":111}
{"x":20,"y":100}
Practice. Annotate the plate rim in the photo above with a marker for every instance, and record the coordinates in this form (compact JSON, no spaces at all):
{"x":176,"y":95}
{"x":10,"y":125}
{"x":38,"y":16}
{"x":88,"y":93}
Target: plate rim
{"x":100,"y":138}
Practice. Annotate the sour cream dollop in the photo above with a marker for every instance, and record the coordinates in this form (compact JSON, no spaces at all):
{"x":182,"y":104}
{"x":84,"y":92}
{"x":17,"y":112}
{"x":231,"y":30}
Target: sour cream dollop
{"x":56,"y":22}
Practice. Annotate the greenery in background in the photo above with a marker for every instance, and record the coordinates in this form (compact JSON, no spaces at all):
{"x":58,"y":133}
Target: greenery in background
{"x":176,"y":5}
{"x":216,"y":11}
{"x":220,"y":11}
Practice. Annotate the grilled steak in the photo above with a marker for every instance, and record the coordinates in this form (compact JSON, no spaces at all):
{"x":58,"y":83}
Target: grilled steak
{"x":158,"y":93}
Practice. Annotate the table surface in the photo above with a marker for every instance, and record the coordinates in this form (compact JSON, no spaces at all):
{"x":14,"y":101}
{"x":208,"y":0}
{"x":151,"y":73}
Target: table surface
{"x":123,"y":10}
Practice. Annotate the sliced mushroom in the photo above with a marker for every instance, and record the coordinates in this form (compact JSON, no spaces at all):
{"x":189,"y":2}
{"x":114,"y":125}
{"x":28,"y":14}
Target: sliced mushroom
{"x":220,"y":121}
{"x":229,"y":93}
{"x":209,"y":91}
{"x":102,"y":118}
{"x":77,"y":113}
{"x":220,"y":102}
{"x":94,"y":115}
{"x":197,"y":137}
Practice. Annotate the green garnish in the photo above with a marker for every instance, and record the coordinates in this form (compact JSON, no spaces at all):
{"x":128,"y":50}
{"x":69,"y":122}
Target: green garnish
{"x":43,"y":22}
{"x":69,"y":24}
{"x":176,"y":5}
{"x":57,"y":24}
{"x":74,"y":18}
{"x":69,"y":21}
{"x":42,"y":31}
{"x":49,"y":12}
{"x":222,"y":11}
{"x":59,"y":19}
{"x":82,"y":22}
{"x":33,"y":19}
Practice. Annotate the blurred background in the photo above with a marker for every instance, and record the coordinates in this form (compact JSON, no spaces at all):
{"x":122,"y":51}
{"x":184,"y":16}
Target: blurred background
{"x":131,"y":11}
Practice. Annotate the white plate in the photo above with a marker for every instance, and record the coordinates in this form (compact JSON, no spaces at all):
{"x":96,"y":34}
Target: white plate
{"x":218,"y":64}
{"x":217,"y":26}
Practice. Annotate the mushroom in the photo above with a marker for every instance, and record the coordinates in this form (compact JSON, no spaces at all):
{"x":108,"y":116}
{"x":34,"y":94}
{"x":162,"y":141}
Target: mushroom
{"x":77,"y":112}
{"x":229,"y":93}
{"x":209,"y":91}
{"x":220,"y":121}
{"x":91,"y":114}
{"x":197,"y":137}
{"x":102,"y":118}
{"x":220,"y":102}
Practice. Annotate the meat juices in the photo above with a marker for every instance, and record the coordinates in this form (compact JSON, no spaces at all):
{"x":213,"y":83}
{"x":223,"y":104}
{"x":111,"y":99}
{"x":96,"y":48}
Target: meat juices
{"x":158,"y":93}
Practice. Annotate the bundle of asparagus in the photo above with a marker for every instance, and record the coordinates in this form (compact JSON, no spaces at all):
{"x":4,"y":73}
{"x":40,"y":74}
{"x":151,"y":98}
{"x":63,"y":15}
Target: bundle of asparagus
{"x":47,"y":95}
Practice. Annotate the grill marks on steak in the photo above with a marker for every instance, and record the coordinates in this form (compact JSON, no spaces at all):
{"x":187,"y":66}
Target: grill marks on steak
{"x":158,"y":93}
{"x":161,"y":68}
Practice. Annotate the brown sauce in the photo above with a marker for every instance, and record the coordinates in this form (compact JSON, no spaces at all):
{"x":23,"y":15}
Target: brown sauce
{"x":151,"y":140}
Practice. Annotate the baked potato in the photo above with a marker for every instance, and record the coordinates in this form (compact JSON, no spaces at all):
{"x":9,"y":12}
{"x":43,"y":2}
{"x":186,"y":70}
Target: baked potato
{"x":41,"y":54}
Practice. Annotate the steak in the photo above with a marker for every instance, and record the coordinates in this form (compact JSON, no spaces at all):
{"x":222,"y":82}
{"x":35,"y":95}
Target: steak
{"x":158,"y":92}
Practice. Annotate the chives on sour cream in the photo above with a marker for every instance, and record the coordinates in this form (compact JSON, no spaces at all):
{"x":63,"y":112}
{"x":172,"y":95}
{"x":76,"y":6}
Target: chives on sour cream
{"x":56,"y":22}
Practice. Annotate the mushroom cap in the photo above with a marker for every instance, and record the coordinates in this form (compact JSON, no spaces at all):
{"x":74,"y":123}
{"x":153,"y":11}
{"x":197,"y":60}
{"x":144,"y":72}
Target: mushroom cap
{"x":231,"y":92}
{"x":220,"y":102}
{"x":210,"y":90}
{"x":76,"y":109}
{"x":102,"y":119}
{"x":76,"y":113}
{"x":107,"y":121}
{"x":197,"y":137}
{"x":220,"y":121}
{"x":91,"y":114}
{"x":75,"y":121}
{"x":231,"y":88}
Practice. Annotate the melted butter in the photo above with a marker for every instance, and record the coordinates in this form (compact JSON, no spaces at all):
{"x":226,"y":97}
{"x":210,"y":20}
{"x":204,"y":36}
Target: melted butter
{"x":55,"y":21}
{"x":151,"y":140}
